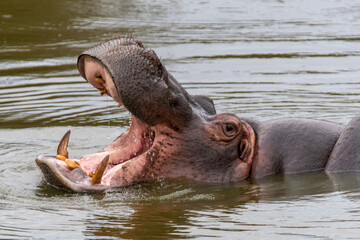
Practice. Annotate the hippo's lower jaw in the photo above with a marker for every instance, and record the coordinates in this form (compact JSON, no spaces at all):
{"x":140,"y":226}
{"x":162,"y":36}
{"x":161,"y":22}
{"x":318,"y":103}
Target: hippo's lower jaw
{"x":62,"y":177}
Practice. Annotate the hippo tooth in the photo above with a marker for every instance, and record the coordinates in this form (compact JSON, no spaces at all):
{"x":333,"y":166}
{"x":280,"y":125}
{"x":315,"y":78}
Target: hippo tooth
{"x":72,"y":164}
{"x":61,"y":157}
{"x":99,"y":80}
{"x":100,"y":170}
{"x":103,"y":91}
{"x":62,"y":148}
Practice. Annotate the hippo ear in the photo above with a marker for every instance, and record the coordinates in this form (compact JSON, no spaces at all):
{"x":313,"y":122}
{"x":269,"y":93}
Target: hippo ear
{"x":205,"y":103}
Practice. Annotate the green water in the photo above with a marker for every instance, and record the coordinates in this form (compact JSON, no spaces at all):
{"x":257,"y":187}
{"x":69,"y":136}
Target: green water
{"x":258,"y":59}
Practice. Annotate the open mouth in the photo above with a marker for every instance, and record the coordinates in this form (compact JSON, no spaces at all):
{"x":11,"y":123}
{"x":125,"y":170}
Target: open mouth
{"x":131,"y":146}
{"x":99,"y":170}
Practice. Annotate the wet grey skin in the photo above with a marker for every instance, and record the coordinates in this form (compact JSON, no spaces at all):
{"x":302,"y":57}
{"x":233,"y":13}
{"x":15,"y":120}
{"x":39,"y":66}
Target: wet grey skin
{"x":176,"y":135}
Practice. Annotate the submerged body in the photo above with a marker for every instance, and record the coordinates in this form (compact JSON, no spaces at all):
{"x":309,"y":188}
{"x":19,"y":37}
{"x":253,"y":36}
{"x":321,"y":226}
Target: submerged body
{"x":175,"y":135}
{"x":293,"y":145}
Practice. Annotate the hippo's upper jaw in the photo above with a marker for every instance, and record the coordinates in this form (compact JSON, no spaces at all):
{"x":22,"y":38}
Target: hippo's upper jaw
{"x":171,"y":135}
{"x":134,"y":76}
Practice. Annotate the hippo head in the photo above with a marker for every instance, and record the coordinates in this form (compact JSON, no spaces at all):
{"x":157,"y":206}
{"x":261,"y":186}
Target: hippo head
{"x":172,"y":134}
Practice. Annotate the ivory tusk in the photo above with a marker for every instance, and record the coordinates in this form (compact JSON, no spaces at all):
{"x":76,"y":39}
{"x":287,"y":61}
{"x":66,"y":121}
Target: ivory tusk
{"x":100,"y":170}
{"x":64,"y":142}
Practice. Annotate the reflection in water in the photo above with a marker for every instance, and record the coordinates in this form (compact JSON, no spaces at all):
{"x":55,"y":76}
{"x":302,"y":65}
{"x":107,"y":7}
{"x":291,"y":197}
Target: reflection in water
{"x":258,"y":59}
{"x":165,"y":209}
{"x":207,"y":210}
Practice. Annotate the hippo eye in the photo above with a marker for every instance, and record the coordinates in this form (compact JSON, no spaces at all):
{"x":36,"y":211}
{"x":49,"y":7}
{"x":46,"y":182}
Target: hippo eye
{"x":229,"y":129}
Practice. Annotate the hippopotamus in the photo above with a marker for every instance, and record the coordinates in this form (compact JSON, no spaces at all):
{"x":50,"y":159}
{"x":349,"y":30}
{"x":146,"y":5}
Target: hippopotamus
{"x":177,"y":135}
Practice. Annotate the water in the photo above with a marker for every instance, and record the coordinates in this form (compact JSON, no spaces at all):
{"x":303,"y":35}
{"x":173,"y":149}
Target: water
{"x":259,"y":59}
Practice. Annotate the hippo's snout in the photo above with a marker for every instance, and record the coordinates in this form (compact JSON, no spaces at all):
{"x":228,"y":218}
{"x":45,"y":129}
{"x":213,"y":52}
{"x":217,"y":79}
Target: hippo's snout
{"x":135,"y":77}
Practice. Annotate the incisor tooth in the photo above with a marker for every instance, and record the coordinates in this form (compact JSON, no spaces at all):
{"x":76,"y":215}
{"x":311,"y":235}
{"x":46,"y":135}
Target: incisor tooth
{"x":62,"y":148}
{"x":60,"y":157}
{"x":99,"y":80}
{"x":72,"y":164}
{"x":103,"y":91}
{"x":100,"y":170}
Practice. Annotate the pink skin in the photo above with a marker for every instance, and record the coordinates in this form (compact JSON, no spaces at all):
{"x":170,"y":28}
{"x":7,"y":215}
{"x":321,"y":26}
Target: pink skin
{"x":129,"y":147}
{"x":92,"y":70}
{"x":135,"y":141}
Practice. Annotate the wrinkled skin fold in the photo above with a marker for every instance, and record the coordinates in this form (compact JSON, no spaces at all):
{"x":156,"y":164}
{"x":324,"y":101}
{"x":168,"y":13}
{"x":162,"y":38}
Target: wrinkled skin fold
{"x":174,"y":134}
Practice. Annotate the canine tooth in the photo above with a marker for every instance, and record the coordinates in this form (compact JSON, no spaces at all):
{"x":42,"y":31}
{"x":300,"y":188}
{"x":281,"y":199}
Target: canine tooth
{"x":72,"y":164}
{"x":103,"y":91}
{"x":62,"y":148}
{"x":100,"y":170}
{"x":99,"y":80}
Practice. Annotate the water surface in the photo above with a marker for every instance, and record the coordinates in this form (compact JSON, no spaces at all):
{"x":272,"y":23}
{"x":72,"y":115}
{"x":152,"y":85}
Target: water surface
{"x":258,"y":59}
